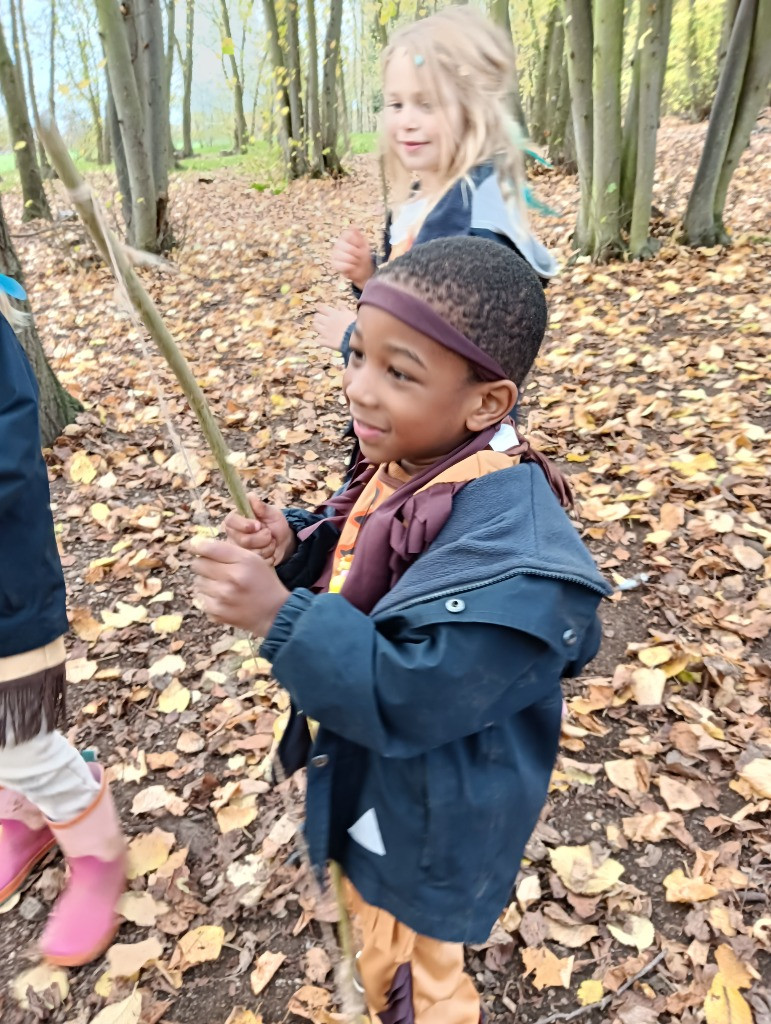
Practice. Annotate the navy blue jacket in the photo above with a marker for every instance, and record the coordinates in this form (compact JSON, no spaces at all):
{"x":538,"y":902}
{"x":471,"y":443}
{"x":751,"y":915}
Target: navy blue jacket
{"x":32,"y":597}
{"x":440,"y":711}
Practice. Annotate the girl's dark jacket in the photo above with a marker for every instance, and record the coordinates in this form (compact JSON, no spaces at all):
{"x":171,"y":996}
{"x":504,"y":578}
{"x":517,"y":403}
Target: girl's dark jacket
{"x":32,"y":597}
{"x":440,"y":711}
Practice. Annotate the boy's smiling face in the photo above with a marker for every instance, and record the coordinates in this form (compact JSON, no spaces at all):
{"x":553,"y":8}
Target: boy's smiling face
{"x":412,"y":400}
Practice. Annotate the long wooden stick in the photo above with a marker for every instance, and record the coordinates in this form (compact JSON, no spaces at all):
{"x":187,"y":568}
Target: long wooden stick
{"x":112,"y":250}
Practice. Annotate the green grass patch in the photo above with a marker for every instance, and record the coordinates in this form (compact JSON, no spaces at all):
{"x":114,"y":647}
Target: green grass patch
{"x":364,"y":142}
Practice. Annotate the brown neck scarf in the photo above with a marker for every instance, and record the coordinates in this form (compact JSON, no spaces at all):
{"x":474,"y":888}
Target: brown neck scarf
{"x":407,"y":523}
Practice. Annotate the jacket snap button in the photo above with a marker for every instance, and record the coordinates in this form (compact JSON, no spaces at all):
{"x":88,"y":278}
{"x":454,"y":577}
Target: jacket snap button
{"x":455,"y":605}
{"x":320,"y":761}
{"x":569,"y":637}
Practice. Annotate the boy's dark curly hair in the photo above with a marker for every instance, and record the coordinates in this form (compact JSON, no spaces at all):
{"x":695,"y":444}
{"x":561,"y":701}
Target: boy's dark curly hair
{"x":482,"y":289}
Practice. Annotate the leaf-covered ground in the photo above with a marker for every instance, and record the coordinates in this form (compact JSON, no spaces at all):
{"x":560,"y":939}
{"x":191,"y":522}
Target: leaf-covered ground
{"x":653,"y":860}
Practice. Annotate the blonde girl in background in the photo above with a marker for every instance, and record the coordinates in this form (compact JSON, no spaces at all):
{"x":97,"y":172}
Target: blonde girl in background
{"x":452,"y":151}
{"x":49,"y":795}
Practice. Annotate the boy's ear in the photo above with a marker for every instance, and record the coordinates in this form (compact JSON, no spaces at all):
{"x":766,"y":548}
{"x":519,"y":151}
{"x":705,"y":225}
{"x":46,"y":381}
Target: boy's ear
{"x":495,"y":399}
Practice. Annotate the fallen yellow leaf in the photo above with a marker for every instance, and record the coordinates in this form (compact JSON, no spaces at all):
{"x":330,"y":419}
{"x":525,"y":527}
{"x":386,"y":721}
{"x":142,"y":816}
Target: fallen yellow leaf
{"x":682,"y":889}
{"x":175,"y":698}
{"x":40,"y":979}
{"x":725,"y":1004}
{"x":590,"y":991}
{"x":166,"y":624}
{"x":757,"y":773}
{"x":148,"y":852}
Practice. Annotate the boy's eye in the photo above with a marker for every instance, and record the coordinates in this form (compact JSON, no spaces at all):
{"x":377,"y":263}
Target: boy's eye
{"x":356,"y":354}
{"x":394,"y":105}
{"x":399,"y":375}
{"x":426,"y":106}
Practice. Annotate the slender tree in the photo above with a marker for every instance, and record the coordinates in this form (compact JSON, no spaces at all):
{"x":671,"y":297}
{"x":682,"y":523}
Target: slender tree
{"x":31,"y":87}
{"x":329,"y":89}
{"x":313,"y":113}
{"x":294,"y":85}
{"x":57,"y":406}
{"x":228,"y":50}
{"x":187,"y":80}
{"x":132,"y":37}
{"x":281,"y":101}
{"x":580,"y":44}
{"x":33,"y":192}
{"x":653,"y":62}
{"x":741,"y":91}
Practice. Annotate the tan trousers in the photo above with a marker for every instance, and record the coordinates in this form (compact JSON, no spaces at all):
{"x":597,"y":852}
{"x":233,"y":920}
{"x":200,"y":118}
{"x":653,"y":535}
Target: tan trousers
{"x":442,"y":993}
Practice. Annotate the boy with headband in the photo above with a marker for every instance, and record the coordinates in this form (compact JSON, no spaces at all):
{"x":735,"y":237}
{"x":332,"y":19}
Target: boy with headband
{"x":424,"y":617}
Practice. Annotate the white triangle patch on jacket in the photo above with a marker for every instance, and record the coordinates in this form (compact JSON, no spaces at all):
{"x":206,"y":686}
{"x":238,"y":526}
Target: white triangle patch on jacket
{"x":366,"y":832}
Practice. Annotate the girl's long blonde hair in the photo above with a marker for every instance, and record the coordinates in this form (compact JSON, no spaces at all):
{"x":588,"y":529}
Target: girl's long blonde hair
{"x":15,"y":317}
{"x":461,"y":55}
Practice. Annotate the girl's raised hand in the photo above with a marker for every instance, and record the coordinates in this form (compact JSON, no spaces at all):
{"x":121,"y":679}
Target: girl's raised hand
{"x":352,"y":258}
{"x":236,"y":586}
{"x":269,"y":534}
{"x":331,"y":323}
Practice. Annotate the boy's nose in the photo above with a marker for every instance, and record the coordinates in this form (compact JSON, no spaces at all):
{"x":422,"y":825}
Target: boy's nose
{"x":360,"y":389}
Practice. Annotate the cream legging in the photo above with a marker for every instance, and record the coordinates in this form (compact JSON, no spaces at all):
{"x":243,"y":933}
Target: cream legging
{"x":50,"y":773}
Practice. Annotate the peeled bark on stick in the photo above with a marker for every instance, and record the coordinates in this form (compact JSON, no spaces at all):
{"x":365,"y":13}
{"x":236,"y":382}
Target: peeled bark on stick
{"x":146,"y":309}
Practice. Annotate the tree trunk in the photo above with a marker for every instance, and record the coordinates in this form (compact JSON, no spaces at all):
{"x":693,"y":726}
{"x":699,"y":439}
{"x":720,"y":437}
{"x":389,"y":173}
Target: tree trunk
{"x":281,"y":98}
{"x":57,"y":406}
{"x":751,"y":99}
{"x":187,"y":81}
{"x":31,"y":85}
{"x":151,"y":72}
{"x":580,"y":45}
{"x":343,"y":108}
{"x":312,"y":110}
{"x":653,"y":63}
{"x":239,"y":121}
{"x":630,"y":134}
{"x":171,"y":15}
{"x":560,"y":152}
{"x":730,"y":11}
{"x":129,"y":137}
{"x":33,"y":192}
{"x":699,"y":222}
{"x":52,"y":65}
{"x":608,"y":24}
{"x":499,"y":12}
{"x":329,"y":90}
{"x":381,"y":26}
{"x":538,"y":116}
{"x":554,"y":77}
{"x":294,"y":87}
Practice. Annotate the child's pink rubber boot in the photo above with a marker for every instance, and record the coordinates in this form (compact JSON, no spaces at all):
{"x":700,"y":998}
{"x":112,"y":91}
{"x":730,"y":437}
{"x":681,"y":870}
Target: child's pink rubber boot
{"x":84,"y":920}
{"x":25,"y":839}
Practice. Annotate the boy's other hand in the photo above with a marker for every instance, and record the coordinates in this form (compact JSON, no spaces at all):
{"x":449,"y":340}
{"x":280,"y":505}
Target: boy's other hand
{"x":331,"y":323}
{"x":236,"y":586}
{"x":352,"y":258}
{"x":269,"y":534}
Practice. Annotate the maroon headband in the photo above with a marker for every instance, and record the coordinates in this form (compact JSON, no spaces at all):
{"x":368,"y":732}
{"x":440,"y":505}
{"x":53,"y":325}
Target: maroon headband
{"x":422,"y":317}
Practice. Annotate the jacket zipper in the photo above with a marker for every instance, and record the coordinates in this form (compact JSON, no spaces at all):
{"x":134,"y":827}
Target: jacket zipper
{"x":437,"y":595}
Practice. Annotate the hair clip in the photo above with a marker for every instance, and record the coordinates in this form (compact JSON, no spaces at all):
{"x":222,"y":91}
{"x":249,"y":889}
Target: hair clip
{"x":12,"y":287}
{"x":419,"y":60}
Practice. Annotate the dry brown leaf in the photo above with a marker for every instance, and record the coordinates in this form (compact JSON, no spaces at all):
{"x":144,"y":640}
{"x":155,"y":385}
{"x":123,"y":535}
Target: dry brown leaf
{"x":149,"y":851}
{"x":678,"y":796}
{"x":127,"y":959}
{"x":49,"y":984}
{"x":682,"y":889}
{"x":585,"y":869}
{"x":317,"y":964}
{"x":198,"y":947}
{"x":550,"y":971}
{"x":265,"y":967}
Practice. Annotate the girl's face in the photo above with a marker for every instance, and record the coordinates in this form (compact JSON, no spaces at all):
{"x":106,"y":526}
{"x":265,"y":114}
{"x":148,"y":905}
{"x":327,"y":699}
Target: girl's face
{"x":419,"y":131}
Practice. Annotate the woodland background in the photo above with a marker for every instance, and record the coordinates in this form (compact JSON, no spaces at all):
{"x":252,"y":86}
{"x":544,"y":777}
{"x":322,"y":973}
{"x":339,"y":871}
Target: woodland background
{"x":644,"y":896}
